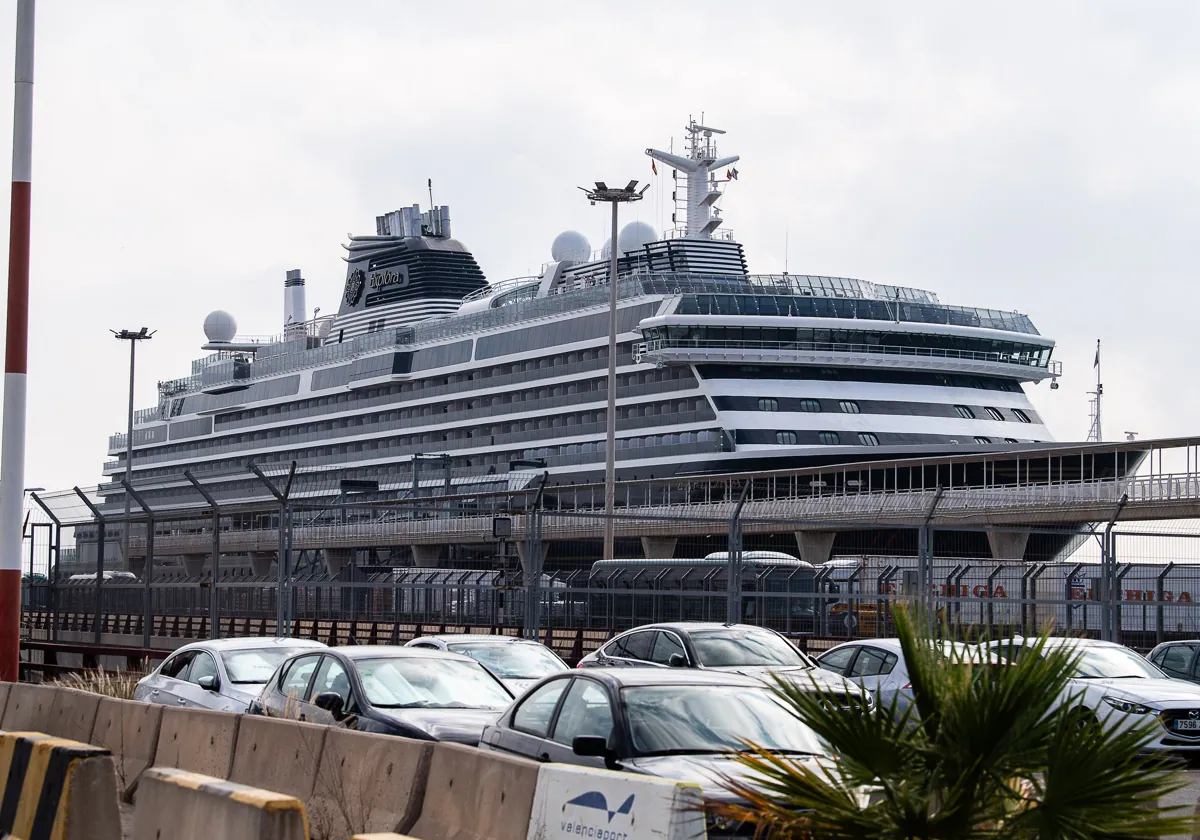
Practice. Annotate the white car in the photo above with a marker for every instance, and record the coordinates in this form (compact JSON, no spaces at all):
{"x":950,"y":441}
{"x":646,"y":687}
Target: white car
{"x":221,"y":674}
{"x":518,"y":663}
{"x":878,"y":666}
{"x":1117,"y":687}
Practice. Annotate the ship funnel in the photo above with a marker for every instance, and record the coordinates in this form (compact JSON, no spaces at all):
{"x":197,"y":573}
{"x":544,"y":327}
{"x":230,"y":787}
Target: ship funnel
{"x":294,"y":309}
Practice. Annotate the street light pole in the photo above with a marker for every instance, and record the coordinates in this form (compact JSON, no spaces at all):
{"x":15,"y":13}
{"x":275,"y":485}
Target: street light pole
{"x":133,"y":338}
{"x":615,"y":196}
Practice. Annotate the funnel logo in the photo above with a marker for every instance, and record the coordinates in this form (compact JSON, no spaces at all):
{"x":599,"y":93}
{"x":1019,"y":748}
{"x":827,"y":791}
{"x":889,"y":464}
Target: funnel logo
{"x":595,"y":799}
{"x":354,"y":286}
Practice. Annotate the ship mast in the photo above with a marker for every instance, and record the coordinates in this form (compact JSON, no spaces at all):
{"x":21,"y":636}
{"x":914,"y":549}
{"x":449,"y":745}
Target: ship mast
{"x":699,"y":167}
{"x":1095,"y":435}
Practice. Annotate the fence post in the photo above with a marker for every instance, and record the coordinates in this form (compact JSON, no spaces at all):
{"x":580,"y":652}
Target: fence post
{"x":1108,"y":576}
{"x":1158,"y":605}
{"x":214,"y":606}
{"x":52,"y":572}
{"x":282,"y":609}
{"x":148,"y":570}
{"x":733,"y":612}
{"x":98,"y":623}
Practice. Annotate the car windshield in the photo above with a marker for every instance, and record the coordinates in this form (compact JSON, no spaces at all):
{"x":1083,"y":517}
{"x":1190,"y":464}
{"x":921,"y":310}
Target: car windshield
{"x":428,"y":682}
{"x":696,"y":719}
{"x":1113,"y":663}
{"x":730,"y":647}
{"x":254,"y":666}
{"x":512,"y":660}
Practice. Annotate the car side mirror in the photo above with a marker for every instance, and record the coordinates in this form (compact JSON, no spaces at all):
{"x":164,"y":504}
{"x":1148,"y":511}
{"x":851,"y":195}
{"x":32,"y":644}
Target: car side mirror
{"x":208,"y":683}
{"x":677,"y":660}
{"x":590,"y":745}
{"x":330,"y":701}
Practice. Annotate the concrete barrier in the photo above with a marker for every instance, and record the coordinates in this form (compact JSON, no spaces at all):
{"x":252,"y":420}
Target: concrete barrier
{"x":4,"y":689}
{"x":277,"y":754}
{"x":197,"y":740}
{"x":181,"y":805}
{"x":130,"y":731}
{"x":28,"y":708}
{"x":582,"y":802}
{"x":368,"y":783}
{"x":73,"y":714}
{"x":386,"y":835}
{"x":473,"y":794}
{"x":56,"y":789}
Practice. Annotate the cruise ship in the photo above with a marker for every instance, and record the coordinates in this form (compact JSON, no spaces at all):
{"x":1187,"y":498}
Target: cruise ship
{"x":430,"y":374}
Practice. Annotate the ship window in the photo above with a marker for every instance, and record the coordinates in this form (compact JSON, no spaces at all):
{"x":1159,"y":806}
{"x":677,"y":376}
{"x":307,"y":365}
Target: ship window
{"x":983,"y":440}
{"x":828,"y":438}
{"x":786,"y":438}
{"x":1021,"y":415}
{"x":965,"y":412}
{"x":868,"y":439}
{"x":768,"y":404}
{"x":813,"y":406}
{"x":994,"y":413}
{"x":849,"y":407}
{"x":1011,"y":440}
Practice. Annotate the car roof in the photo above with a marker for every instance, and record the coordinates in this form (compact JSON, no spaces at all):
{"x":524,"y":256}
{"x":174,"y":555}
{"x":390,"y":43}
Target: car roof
{"x":695,"y":626}
{"x":886,"y":644}
{"x":625,"y":677}
{"x":250,"y":642}
{"x":474,"y":638}
{"x":357,"y":652}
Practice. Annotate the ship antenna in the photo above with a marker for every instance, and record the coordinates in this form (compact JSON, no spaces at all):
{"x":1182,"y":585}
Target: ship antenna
{"x":431,"y":204}
{"x":785,"y":249}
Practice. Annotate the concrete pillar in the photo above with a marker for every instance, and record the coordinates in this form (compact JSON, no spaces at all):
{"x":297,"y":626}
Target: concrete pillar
{"x":427,"y":556}
{"x":1008,"y":545}
{"x":522,"y":552}
{"x":193,"y":564}
{"x":659,"y":548}
{"x":815,"y":546}
{"x":336,"y":558}
{"x":260,"y":562}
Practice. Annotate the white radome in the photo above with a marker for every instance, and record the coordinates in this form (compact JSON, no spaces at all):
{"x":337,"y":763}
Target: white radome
{"x":606,"y":251}
{"x":220,"y":327}
{"x":571,"y":246}
{"x":634,"y":235}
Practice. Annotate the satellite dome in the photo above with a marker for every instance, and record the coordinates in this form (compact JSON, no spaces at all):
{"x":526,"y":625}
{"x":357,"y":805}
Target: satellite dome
{"x":570,"y":246}
{"x":220,"y":327}
{"x":634,"y":235}
{"x":606,"y":251}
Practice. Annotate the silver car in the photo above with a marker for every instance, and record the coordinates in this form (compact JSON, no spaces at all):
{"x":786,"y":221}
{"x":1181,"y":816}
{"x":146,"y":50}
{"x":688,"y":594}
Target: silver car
{"x":221,"y":674}
{"x":518,"y":663}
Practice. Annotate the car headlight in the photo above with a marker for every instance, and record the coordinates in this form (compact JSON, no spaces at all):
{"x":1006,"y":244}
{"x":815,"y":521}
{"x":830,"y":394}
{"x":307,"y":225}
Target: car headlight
{"x":1127,"y":706}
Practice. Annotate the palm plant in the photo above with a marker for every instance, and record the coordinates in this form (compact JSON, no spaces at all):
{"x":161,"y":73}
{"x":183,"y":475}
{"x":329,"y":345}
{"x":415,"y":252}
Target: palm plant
{"x":983,"y":752}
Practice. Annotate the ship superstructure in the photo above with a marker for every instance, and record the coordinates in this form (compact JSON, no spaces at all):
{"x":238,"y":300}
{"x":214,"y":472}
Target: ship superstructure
{"x":719,"y":369}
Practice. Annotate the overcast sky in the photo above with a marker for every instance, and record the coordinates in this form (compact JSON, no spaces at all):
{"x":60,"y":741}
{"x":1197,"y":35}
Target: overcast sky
{"x":1030,"y":156}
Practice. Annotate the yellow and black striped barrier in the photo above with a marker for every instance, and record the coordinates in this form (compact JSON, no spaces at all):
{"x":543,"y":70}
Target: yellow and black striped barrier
{"x":183,"y":805}
{"x":56,"y":789}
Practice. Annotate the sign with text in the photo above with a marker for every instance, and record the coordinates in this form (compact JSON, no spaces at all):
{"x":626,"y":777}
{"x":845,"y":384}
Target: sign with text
{"x":581,"y":803}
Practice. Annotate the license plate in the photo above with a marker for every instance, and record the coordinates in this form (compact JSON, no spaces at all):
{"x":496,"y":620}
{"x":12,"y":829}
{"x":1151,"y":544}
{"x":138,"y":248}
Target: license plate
{"x":1188,"y":724}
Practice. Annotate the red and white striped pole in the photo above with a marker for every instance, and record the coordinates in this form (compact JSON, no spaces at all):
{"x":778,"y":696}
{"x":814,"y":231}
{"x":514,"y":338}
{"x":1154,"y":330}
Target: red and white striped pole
{"x":12,"y":433}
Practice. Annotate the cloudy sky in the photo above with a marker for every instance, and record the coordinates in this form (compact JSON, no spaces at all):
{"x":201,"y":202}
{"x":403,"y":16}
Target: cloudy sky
{"x":1030,"y":156}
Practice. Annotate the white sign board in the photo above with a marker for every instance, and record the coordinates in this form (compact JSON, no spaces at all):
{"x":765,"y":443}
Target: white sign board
{"x":581,"y":803}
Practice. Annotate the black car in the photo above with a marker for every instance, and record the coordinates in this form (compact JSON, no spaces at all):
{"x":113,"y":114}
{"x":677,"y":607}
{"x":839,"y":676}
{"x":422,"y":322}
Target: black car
{"x":737,"y":648}
{"x":678,"y":724}
{"x":430,"y":695}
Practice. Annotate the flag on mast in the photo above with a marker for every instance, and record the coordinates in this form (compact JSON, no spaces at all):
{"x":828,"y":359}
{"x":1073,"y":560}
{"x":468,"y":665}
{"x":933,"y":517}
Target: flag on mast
{"x":653,"y":166}
{"x":1096,"y":363}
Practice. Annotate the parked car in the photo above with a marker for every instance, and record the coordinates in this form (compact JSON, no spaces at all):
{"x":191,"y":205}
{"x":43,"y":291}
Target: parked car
{"x":1178,"y":659}
{"x":222,"y":674}
{"x":1114,"y":686}
{"x":878,"y":666}
{"x":737,"y":648}
{"x":430,"y":695}
{"x":519,"y":663}
{"x":677,"y":723}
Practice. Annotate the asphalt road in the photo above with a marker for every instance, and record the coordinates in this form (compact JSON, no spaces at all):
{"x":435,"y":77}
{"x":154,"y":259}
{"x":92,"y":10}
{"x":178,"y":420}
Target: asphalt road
{"x":1190,"y":795}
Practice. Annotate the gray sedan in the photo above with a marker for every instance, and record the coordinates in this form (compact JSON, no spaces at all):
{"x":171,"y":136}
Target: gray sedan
{"x":519,"y":663}
{"x":221,"y":674}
